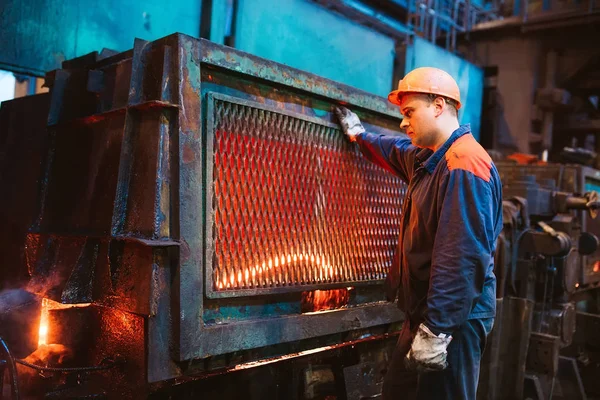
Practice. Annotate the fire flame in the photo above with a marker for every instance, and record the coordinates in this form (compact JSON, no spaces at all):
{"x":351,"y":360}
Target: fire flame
{"x":43,"y":334}
{"x":275,"y":271}
{"x":48,"y":304}
{"x":320,"y":300}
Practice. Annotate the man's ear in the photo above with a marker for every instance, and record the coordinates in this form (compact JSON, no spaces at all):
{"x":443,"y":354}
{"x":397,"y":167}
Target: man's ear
{"x":439,"y":103}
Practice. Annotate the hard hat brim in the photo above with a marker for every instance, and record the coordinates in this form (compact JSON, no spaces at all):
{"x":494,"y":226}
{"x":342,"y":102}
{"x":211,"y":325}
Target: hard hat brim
{"x":395,"y":97}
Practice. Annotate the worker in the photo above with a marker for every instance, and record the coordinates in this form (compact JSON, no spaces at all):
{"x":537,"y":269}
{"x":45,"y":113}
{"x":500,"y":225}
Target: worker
{"x":451,"y":217}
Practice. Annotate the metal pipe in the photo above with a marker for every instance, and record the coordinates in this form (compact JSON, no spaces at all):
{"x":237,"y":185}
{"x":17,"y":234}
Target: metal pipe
{"x":466,"y":21}
{"x":12,"y":371}
{"x":434,"y":16}
{"x":422,"y":15}
{"x":2,"y":369}
{"x":104,"y":365}
{"x":548,"y":120}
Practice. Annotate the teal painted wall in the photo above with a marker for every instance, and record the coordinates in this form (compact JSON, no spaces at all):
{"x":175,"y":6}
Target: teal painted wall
{"x":304,"y":35}
{"x":38,"y":35}
{"x":468,"y":76}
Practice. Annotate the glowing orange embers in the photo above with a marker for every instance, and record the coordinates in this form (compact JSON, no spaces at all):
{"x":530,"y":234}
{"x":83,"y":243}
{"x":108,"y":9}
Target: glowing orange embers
{"x":48,"y":304}
{"x":299,"y":268}
{"x":319,"y":300}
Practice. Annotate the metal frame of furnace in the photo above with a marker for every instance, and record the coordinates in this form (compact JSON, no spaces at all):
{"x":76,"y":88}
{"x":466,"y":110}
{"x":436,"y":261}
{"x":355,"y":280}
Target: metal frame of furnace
{"x":133,"y":212}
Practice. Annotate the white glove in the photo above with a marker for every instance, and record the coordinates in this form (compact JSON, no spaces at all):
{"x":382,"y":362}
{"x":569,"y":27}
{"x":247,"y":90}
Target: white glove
{"x":350,"y":122}
{"x":428,"y":351}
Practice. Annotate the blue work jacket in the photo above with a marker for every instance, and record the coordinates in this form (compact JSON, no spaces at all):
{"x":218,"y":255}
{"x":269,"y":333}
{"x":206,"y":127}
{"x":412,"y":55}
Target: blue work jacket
{"x":451,"y":218}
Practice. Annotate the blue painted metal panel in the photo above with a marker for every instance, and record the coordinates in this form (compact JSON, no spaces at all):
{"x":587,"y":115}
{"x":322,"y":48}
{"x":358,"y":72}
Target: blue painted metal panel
{"x":468,"y":76}
{"x":388,"y":19}
{"x":304,"y":35}
{"x":220,"y":22}
{"x":38,"y":35}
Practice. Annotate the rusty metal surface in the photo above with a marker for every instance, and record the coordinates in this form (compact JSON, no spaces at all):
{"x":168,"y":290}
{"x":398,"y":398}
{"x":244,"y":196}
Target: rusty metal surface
{"x":278,"y":377}
{"x":126,"y":201}
{"x":586,"y":338}
{"x":189,"y":278}
{"x":20,"y":313}
{"x":121,"y":334}
{"x":221,"y":339}
{"x":568,"y":178}
{"x":243,"y":63}
{"x":571,"y":386}
{"x":365,"y":380}
{"x":98,"y":350}
{"x":79,"y":188}
{"x":293,"y":204}
{"x":72,"y":328}
{"x":515,"y":324}
{"x":588,"y":328}
{"x":565,"y":177}
{"x":196,"y":335}
{"x":490,"y":361}
{"x":542,"y":355}
{"x":23,"y":147}
{"x":80,"y":269}
{"x":558,"y":321}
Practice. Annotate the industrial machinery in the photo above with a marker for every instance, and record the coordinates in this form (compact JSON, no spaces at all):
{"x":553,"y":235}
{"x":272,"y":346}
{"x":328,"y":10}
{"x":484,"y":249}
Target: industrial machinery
{"x":184,"y":218}
{"x":546,"y":259}
{"x":185,"y":211}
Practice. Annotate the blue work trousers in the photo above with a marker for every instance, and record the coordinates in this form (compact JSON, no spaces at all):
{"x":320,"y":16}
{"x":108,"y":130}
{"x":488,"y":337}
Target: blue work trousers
{"x":457,"y":382}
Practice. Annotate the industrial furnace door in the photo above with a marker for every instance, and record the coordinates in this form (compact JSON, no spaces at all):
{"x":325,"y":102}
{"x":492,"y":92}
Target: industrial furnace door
{"x":293,"y":214}
{"x":291,"y":204}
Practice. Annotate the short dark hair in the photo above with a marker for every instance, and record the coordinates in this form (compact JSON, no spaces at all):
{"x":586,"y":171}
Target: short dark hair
{"x":451,"y":102}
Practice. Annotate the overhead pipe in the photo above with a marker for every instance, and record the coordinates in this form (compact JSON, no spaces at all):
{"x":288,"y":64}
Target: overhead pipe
{"x":548,"y":119}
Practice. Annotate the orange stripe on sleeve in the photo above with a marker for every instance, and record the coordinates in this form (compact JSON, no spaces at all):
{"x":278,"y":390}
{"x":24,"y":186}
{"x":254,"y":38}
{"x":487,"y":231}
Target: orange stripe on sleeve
{"x":466,"y":154}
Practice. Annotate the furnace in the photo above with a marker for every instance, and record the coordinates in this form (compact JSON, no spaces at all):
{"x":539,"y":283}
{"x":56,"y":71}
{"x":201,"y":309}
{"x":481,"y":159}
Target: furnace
{"x":204,"y":207}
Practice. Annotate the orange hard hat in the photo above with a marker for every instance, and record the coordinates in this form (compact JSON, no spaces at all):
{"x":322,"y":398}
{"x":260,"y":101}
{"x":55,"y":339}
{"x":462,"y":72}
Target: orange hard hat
{"x":427,"y":80}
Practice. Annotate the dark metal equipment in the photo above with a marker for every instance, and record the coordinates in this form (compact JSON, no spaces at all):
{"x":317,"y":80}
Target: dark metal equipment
{"x":569,"y":180}
{"x":204,"y":205}
{"x":543,"y":265}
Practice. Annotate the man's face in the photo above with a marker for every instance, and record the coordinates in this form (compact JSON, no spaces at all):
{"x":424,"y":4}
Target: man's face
{"x":419,"y":119}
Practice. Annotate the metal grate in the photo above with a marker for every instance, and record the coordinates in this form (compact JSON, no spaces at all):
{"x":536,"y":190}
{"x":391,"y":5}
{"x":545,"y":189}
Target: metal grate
{"x":293,"y":204}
